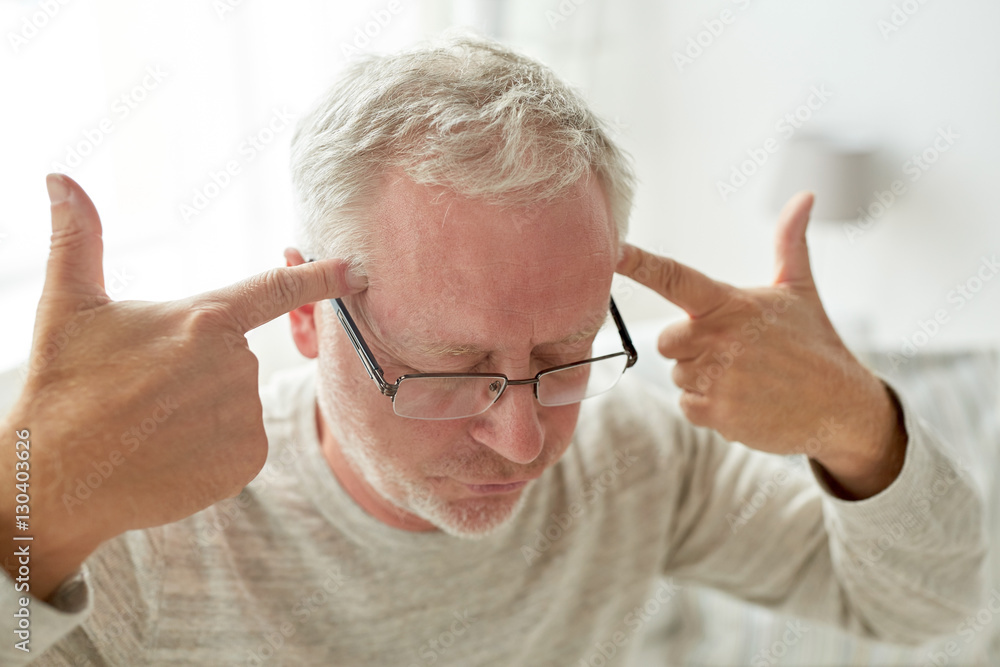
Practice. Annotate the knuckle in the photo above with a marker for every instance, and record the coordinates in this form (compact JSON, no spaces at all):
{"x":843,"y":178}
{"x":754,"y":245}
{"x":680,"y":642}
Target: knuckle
{"x":205,"y":316}
{"x":253,"y":455}
{"x":678,"y":375}
{"x":278,"y":288}
{"x":743,"y":301}
{"x":70,"y":238}
{"x":677,"y":338}
{"x":665,"y":270}
{"x":716,"y":339}
{"x":256,"y":458}
{"x":688,"y":407}
{"x":695,"y":409}
{"x":247,"y":371}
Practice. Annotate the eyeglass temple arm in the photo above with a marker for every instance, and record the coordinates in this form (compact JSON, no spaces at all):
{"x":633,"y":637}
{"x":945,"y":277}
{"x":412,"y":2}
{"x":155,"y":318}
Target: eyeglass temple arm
{"x":633,"y":356}
{"x":375,"y":371}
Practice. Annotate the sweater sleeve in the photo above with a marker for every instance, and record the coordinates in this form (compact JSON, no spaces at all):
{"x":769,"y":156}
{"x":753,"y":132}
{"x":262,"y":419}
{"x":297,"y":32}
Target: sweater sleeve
{"x":104,"y":615}
{"x":901,"y":566}
{"x":31,"y":625}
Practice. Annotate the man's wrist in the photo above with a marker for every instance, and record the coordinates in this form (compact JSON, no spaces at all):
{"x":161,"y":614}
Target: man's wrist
{"x":870,"y":459}
{"x":54,"y":553}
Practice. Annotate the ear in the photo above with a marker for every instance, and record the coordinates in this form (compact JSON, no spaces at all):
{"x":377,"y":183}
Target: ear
{"x":303,"y":323}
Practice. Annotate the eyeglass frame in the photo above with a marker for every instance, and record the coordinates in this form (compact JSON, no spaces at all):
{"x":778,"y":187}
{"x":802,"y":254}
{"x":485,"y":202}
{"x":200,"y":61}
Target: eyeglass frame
{"x":376,"y":373}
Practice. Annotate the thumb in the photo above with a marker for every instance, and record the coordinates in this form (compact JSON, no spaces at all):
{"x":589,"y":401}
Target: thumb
{"x":76,"y":254}
{"x":791,"y":252}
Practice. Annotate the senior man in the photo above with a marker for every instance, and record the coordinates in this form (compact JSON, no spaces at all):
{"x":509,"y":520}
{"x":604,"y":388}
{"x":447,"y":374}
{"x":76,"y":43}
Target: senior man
{"x":457,"y":479}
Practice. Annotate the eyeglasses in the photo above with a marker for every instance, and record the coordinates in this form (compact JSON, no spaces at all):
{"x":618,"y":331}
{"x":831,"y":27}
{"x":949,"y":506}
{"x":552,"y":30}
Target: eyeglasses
{"x":435,"y":396}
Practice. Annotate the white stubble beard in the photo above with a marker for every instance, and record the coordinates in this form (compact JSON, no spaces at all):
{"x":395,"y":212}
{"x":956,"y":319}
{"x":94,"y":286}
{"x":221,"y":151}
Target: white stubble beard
{"x":471,"y":519}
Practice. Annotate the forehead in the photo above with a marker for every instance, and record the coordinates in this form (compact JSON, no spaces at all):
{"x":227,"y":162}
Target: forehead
{"x":445,"y":266}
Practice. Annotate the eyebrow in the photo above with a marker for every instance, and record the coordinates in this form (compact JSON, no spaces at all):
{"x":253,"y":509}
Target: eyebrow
{"x":437,"y":349}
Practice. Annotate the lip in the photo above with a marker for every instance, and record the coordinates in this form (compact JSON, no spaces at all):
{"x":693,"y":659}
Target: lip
{"x":495,"y":488}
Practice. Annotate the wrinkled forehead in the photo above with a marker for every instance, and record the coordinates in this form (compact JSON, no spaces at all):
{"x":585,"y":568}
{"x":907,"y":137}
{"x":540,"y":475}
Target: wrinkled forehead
{"x":439,"y":255}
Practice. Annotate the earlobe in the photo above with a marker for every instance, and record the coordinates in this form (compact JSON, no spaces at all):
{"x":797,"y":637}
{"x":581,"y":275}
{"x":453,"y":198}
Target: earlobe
{"x":303,"y":323}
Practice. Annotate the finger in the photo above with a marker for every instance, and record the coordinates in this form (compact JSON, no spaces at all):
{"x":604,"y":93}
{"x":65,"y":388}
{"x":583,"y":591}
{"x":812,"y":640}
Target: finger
{"x":697,"y":408}
{"x":679,"y":341}
{"x":695,"y":292}
{"x":76,"y":252}
{"x":261,"y":298}
{"x":791,"y":252}
{"x":685,"y":375}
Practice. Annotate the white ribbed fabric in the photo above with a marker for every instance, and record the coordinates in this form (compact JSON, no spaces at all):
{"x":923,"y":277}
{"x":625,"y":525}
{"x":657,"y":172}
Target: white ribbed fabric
{"x":293,"y":572}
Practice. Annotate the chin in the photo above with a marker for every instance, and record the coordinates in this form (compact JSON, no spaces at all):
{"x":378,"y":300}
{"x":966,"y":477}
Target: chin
{"x":469,"y":518}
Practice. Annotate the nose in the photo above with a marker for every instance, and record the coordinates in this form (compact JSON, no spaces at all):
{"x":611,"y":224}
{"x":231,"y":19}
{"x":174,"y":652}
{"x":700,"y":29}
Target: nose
{"x":512,"y":427}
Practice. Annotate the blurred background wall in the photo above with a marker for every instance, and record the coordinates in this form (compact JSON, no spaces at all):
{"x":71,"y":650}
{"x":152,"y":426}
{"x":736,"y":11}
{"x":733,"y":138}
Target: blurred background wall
{"x":176,"y":117}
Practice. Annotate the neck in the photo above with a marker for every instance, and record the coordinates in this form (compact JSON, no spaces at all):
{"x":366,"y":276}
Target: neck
{"x":360,"y":490}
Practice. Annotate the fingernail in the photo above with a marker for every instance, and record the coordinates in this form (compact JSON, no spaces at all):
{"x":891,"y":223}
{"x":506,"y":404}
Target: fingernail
{"x":355,"y":279}
{"x":58,"y":188}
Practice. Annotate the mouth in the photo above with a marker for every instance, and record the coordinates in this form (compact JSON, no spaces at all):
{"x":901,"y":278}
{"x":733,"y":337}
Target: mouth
{"x":484,"y":489}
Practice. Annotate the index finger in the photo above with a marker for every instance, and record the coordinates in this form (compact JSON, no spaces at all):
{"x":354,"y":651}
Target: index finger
{"x":693,"y":291}
{"x":265,"y":296}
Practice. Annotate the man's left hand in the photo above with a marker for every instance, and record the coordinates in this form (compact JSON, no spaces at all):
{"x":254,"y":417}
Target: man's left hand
{"x":765,"y":366}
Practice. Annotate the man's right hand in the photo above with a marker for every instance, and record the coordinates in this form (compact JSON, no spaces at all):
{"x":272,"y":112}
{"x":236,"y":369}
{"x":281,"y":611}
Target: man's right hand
{"x":140,"y":413}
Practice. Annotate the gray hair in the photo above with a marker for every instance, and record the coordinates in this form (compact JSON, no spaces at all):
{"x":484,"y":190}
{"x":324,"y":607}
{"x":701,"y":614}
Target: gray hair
{"x":465,"y":113}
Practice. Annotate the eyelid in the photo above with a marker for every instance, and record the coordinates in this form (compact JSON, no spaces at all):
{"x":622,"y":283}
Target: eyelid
{"x":557,"y":354}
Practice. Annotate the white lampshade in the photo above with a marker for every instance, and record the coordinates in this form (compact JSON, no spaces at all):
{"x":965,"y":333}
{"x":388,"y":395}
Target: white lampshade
{"x":839,"y":171}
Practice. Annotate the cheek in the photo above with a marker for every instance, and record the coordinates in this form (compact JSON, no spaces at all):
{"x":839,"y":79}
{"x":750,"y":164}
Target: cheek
{"x":348,"y":397}
{"x":427,"y":445}
{"x":353,"y":396}
{"x":559,"y":427}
